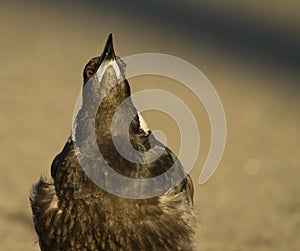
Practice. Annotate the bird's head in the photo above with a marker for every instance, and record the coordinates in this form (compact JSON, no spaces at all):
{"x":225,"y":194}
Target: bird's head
{"x":98,"y":65}
{"x":104,"y":77}
{"x":105,"y":88}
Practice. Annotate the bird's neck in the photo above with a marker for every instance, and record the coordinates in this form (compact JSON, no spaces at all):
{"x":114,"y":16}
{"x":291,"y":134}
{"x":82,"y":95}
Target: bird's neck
{"x":102,"y":118}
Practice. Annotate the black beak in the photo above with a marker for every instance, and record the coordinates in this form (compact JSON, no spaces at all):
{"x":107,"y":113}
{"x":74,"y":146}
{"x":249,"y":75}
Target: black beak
{"x":108,"y":52}
{"x":109,"y":63}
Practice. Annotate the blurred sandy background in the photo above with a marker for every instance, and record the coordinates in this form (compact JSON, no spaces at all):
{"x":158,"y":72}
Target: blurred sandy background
{"x":250,"y":51}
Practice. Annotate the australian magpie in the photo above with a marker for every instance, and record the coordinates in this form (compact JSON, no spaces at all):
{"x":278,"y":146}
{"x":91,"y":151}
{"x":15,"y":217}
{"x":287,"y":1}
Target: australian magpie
{"x":85,"y":206}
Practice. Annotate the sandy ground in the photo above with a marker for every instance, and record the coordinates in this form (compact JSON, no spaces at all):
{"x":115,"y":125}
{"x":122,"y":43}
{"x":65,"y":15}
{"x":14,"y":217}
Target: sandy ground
{"x":251,"y":203}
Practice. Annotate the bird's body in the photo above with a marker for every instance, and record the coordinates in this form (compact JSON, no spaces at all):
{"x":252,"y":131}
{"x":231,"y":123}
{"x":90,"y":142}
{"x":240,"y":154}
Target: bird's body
{"x":71,"y":212}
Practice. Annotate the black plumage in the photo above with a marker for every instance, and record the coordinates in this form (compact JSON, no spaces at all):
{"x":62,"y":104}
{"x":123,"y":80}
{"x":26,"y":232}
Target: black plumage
{"x":71,"y":212}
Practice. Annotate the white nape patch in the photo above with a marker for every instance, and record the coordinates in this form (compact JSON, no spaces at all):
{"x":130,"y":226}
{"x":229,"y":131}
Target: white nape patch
{"x":143,"y":124}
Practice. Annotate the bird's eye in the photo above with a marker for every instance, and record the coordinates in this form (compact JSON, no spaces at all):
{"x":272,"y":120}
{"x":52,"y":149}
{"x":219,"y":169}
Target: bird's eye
{"x":89,"y":73}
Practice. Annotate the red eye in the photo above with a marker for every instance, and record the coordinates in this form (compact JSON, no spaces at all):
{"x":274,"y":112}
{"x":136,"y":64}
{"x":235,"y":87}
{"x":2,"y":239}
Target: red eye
{"x":89,"y":73}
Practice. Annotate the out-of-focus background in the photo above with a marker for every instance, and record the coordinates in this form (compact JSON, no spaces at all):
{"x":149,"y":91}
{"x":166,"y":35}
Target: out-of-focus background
{"x":250,"y":51}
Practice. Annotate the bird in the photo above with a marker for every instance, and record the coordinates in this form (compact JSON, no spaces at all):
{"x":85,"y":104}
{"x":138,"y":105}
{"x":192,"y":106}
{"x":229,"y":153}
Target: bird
{"x":76,"y":209}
